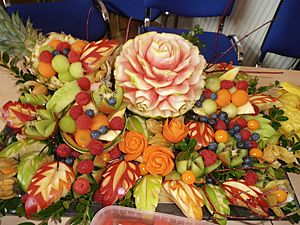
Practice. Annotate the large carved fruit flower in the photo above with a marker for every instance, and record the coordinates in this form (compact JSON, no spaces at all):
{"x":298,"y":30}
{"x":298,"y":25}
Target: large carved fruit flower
{"x":161,"y":74}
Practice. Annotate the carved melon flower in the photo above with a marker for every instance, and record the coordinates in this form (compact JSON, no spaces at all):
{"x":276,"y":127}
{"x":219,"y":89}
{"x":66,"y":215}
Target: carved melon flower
{"x":161,"y":74}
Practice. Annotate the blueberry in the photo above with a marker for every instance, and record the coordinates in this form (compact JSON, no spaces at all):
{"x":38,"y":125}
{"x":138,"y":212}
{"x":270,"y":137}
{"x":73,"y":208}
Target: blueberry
{"x":90,"y":113}
{"x":247,"y":144}
{"x":212,"y":146}
{"x":198,"y":103}
{"x":95,"y":134}
{"x":255,"y":136}
{"x":213,"y":96}
{"x":103,"y":130}
{"x":238,"y":136}
{"x":203,"y":119}
{"x":231,"y":131}
{"x":55,"y":52}
{"x":240,"y":144}
{"x":223,"y":116}
{"x":66,"y":51}
{"x":69,"y":160}
{"x":202,"y":97}
{"x":247,"y":161}
{"x":237,"y":128}
{"x":209,"y":180}
{"x":227,"y":121}
{"x":213,"y":116}
{"x":212,"y":122}
{"x":112,"y":101}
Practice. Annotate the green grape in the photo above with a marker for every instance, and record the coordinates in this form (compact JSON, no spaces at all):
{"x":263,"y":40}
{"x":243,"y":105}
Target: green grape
{"x":213,"y":84}
{"x":67,"y":124}
{"x":76,"y":70}
{"x":209,"y":106}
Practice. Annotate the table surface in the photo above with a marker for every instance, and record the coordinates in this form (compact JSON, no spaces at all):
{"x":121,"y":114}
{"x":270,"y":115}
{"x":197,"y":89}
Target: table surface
{"x":8,"y":91}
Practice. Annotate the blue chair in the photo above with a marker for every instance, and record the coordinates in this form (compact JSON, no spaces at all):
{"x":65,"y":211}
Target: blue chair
{"x":283,"y":36}
{"x":80,"y":18}
{"x":201,"y":8}
{"x":130,"y":8}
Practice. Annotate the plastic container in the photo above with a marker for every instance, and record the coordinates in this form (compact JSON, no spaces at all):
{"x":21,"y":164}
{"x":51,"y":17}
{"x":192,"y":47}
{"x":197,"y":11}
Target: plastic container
{"x":118,"y":215}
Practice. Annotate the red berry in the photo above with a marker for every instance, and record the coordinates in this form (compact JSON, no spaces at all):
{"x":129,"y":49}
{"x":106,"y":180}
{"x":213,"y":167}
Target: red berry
{"x":84,"y":83}
{"x":253,"y":144}
{"x":117,"y":123}
{"x":73,"y":57}
{"x":209,"y":157}
{"x":85,"y":166}
{"x":24,"y":198}
{"x":82,"y":98}
{"x":242,"y":85}
{"x":95,"y":147}
{"x":115,"y":153}
{"x":84,"y":122}
{"x":221,"y":125}
{"x":98,"y":197}
{"x":76,"y":111}
{"x":81,"y":186}
{"x":207,"y":93}
{"x":45,"y":56}
{"x":75,"y":154}
{"x":246,"y":134}
{"x":250,"y":178}
{"x":63,"y":150}
{"x":231,"y":124}
{"x":242,"y":122}
{"x":61,"y":46}
{"x":226,"y":84}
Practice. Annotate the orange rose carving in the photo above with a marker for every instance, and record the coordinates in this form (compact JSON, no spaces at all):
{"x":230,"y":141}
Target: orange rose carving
{"x":133,"y":145}
{"x":175,"y":131}
{"x":158,"y":160}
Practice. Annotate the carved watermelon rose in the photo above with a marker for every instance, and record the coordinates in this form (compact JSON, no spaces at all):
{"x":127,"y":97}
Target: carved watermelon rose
{"x":161,"y":74}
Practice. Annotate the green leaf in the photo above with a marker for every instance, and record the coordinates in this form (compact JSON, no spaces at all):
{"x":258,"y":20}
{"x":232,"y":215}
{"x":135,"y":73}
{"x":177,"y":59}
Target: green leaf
{"x":5,"y":57}
{"x":146,"y":192}
{"x":282,"y":118}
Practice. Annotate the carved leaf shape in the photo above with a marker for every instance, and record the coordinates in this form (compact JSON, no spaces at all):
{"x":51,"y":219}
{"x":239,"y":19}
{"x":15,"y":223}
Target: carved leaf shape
{"x":202,"y":132}
{"x":117,"y":179}
{"x":240,"y":194}
{"x":146,"y":192}
{"x":187,"y":197}
{"x":264,"y":101}
{"x":51,"y":182}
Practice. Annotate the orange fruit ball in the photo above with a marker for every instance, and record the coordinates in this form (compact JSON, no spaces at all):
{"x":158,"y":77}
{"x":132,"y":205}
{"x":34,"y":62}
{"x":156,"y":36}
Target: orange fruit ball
{"x":281,"y":195}
{"x":46,"y":70}
{"x":253,"y":124}
{"x":188,"y":177}
{"x":143,"y":170}
{"x":98,"y":121}
{"x":54,"y":43}
{"x":240,"y":97}
{"x":221,"y":136}
{"x":105,"y":156}
{"x":82,"y":138}
{"x":78,"y":46}
{"x":255,"y":153}
{"x":223,"y":97}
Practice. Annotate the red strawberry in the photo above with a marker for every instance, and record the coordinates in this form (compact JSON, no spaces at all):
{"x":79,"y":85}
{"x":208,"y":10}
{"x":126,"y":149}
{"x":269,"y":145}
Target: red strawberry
{"x":226,"y":84}
{"x":81,"y":186}
{"x":82,"y":98}
{"x":242,"y":85}
{"x":75,"y":154}
{"x":84,"y":83}
{"x":207,"y":93}
{"x":63,"y":150}
{"x":95,"y":147}
{"x":61,"y":46}
{"x":117,"y":123}
{"x":84,"y":122}
{"x":76,"y":111}
{"x":242,"y":122}
{"x":246,"y":134}
{"x":85,"y":166}
{"x":221,"y":125}
{"x":209,"y":157}
{"x":115,"y":153}
{"x":231,"y":124}
{"x":73,"y":57}
{"x":250,"y":178}
{"x":45,"y":56}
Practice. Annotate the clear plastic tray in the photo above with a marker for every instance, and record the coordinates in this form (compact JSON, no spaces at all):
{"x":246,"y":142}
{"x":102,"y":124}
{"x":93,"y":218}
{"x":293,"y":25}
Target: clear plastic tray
{"x":118,"y":215}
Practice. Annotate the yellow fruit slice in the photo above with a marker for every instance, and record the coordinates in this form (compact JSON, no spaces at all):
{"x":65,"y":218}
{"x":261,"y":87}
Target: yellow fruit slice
{"x":230,"y":74}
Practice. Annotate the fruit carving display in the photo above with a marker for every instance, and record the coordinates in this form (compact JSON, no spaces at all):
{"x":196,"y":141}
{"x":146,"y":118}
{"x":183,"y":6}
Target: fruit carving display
{"x":95,"y":127}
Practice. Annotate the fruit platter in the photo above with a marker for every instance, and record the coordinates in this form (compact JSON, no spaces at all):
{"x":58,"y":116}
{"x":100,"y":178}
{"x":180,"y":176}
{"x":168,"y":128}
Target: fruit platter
{"x":138,"y":124}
